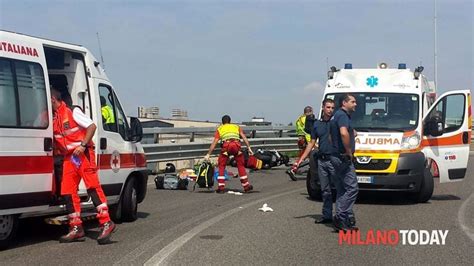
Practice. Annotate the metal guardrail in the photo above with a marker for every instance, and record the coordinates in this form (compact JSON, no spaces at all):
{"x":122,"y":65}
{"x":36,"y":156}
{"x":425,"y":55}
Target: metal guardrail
{"x":157,"y":135}
{"x":246,"y":129}
{"x":281,"y":138}
{"x":170,"y":152}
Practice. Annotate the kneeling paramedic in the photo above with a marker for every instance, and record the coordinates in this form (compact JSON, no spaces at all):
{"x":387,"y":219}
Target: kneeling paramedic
{"x":230,"y":135}
{"x":326,"y":171}
{"x":73,"y":132}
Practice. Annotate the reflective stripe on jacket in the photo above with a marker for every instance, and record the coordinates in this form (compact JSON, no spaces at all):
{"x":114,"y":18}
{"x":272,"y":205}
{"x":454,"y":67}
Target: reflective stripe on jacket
{"x":67,"y":133}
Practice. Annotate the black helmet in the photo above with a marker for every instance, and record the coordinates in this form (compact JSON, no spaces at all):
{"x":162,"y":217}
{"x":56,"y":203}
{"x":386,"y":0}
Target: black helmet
{"x":170,"y":168}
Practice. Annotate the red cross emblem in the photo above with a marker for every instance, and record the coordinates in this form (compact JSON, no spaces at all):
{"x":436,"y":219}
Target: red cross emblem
{"x":115,"y":161}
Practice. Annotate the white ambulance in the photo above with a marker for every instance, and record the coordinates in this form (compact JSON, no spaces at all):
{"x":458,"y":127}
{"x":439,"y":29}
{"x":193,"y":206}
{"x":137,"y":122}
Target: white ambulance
{"x":28,"y":187}
{"x":405,"y":134}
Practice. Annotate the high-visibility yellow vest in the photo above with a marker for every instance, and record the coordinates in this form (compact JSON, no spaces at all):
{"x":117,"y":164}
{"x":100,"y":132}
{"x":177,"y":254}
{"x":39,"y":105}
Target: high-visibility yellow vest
{"x":229,"y":131}
{"x":300,"y":123}
{"x":108,"y":114}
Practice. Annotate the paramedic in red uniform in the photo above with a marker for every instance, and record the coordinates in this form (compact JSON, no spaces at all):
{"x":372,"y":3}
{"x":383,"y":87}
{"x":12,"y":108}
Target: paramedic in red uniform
{"x":230,"y":135}
{"x":73,"y":132}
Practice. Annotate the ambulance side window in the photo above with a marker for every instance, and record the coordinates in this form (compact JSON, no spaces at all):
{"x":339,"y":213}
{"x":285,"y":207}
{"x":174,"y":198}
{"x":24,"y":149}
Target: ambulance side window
{"x":23,"y":102}
{"x":454,"y":112}
{"x":107,"y":108}
{"x":121,"y":119}
{"x":8,"y":106}
{"x":113,"y":117}
{"x":451,"y":112}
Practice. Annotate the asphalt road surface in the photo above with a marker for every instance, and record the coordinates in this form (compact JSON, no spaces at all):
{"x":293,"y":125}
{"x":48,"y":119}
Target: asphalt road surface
{"x":203,"y":228}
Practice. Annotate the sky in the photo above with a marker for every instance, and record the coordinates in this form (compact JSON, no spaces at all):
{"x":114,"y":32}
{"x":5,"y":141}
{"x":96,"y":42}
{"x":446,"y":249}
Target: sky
{"x":250,"y":58}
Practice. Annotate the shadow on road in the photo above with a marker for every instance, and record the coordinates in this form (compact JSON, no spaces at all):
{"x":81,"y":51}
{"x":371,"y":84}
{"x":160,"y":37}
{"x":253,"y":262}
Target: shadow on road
{"x":143,"y":215}
{"x":32,"y":231}
{"x":390,"y":198}
{"x":384,"y":198}
{"x":313,"y":216}
{"x":445,"y":197}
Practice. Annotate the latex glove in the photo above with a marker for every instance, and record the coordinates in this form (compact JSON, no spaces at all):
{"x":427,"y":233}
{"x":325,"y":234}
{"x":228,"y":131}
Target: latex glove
{"x":207,"y":157}
{"x":79,"y":150}
{"x":294,"y":167}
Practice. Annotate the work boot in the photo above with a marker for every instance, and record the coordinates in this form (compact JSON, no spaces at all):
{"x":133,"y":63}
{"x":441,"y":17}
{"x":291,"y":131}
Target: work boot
{"x":352,"y":221}
{"x":248,"y":188}
{"x":107,"y":229}
{"x":76,"y":233}
{"x":340,"y":225}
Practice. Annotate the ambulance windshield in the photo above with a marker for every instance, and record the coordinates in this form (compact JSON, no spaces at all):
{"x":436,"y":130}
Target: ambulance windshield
{"x":383,"y":111}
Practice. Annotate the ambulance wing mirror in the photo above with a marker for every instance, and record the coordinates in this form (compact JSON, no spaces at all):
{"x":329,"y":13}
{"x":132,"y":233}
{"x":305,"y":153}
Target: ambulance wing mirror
{"x":434,"y":126}
{"x":136,"y":130}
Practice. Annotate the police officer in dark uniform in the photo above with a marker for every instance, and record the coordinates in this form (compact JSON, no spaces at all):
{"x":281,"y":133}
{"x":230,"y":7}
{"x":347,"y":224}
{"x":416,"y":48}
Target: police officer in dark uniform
{"x":326,"y":170}
{"x":343,"y":140}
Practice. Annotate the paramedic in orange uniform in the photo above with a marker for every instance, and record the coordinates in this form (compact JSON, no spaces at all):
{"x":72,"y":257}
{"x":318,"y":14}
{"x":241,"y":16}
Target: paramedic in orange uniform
{"x":230,"y":135}
{"x":73,"y":132}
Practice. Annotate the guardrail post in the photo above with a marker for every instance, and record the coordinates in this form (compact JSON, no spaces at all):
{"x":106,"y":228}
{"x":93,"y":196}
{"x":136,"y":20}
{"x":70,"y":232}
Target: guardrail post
{"x":156,"y":138}
{"x":280,"y":133}
{"x":253,"y":133}
{"x":192,"y":137}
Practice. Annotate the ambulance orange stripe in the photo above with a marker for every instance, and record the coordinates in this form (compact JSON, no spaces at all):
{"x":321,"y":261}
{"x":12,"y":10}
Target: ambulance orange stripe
{"x":469,"y":112}
{"x":388,"y":151}
{"x":447,"y":141}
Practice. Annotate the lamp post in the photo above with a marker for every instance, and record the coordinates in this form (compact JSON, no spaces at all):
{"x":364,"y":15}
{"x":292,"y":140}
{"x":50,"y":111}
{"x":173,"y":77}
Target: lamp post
{"x":435,"y":48}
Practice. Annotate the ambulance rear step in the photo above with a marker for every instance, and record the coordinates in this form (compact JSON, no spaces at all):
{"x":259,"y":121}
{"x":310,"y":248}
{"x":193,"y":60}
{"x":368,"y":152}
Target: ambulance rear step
{"x":63,"y":219}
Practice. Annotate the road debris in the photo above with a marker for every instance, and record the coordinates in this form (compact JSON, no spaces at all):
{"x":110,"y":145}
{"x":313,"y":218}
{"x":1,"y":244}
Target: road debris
{"x":265,"y":208}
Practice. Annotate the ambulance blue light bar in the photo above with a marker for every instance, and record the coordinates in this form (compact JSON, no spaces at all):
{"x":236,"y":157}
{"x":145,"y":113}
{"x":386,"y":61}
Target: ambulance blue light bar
{"x":347,"y":66}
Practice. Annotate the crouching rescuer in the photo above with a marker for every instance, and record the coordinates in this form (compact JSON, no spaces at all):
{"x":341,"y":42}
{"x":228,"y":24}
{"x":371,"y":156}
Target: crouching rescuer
{"x":73,"y":132}
{"x":230,"y":135}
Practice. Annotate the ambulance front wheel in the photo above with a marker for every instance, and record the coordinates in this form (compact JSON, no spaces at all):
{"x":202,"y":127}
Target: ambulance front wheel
{"x":427,"y":187}
{"x":8,"y":228}
{"x":129,"y":201}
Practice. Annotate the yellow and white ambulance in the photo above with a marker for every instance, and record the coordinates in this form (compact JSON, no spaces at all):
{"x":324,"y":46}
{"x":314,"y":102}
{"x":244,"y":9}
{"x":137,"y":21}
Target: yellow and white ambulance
{"x":405,"y":134}
{"x":28,"y":186}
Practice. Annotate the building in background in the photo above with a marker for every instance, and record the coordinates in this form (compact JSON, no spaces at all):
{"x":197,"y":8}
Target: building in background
{"x":257,"y":121}
{"x":180,"y":114}
{"x":169,"y":136}
{"x":149,"y":112}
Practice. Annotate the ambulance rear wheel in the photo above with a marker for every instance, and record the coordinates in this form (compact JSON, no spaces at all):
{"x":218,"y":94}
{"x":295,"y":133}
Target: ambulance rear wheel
{"x":129,"y":202}
{"x":427,"y":187}
{"x":8,"y":228}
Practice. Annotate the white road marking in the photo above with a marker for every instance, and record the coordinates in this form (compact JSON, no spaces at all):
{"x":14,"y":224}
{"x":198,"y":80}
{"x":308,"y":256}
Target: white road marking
{"x":462,"y":217}
{"x":161,"y":257}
